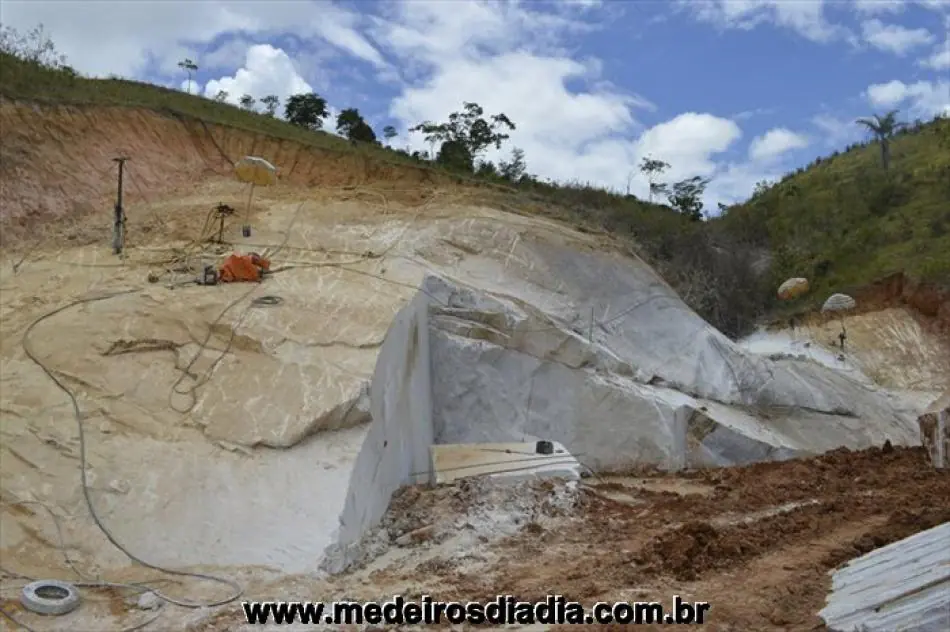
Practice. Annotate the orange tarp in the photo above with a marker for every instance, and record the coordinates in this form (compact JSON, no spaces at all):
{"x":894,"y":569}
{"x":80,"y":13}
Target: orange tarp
{"x":236,"y":268}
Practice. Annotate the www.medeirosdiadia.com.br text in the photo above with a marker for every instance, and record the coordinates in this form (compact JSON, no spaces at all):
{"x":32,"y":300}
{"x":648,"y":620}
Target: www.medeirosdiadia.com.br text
{"x":503,"y":610}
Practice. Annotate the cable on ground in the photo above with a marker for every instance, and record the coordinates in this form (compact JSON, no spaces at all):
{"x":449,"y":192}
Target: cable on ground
{"x":205,"y":377}
{"x":266,"y":301}
{"x":77,"y":412}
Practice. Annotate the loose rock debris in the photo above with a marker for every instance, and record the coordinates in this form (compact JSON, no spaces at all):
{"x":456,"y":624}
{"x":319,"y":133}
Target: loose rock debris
{"x":757,"y":542}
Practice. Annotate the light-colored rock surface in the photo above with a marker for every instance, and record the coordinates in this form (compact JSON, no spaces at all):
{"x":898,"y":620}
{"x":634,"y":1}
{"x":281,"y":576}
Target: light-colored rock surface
{"x":501,"y":461}
{"x":257,"y":471}
{"x":888,"y":350}
{"x":501,"y":372}
{"x":396,"y":450}
{"x":889,"y":346}
{"x":247,"y":472}
{"x":505,"y":370}
{"x":934,"y":426}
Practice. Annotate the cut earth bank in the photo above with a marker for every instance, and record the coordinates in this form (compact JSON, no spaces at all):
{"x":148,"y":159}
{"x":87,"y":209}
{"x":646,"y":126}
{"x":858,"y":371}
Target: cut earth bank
{"x":523,"y":329}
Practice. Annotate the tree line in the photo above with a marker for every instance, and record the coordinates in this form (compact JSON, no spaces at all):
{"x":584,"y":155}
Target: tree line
{"x":460,"y":142}
{"x":457,"y":143}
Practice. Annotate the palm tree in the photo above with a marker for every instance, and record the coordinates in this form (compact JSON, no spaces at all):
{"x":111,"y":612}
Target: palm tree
{"x":883,"y":127}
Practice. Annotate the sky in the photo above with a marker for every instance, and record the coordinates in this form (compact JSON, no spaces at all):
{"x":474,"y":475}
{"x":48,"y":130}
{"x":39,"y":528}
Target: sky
{"x":737,"y":91}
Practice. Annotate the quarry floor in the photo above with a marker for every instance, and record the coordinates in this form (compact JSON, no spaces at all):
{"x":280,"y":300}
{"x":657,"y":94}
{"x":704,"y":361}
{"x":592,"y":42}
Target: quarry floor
{"x":216,"y":488}
{"x":756,"y":542}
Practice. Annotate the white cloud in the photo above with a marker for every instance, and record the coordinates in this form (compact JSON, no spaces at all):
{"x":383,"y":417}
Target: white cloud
{"x":329,"y":123}
{"x":805,"y":17}
{"x":508,"y":59}
{"x":922,"y":98}
{"x":748,"y":114}
{"x":228,"y":54}
{"x":581,"y":5}
{"x":161,"y":29}
{"x":481,"y":52}
{"x":894,"y":38}
{"x":735,"y":182}
{"x":808,"y":18}
{"x":877,"y":7}
{"x":774,"y":143}
{"x":189,"y":86}
{"x":836,"y":131}
{"x":267,"y":70}
{"x":940,"y":60}
{"x":338,"y":27}
{"x":688,"y":142}
{"x":873,"y":7}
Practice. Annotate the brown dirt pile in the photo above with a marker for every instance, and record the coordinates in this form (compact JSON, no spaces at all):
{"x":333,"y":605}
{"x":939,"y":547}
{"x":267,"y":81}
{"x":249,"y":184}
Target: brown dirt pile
{"x":758,"y":547}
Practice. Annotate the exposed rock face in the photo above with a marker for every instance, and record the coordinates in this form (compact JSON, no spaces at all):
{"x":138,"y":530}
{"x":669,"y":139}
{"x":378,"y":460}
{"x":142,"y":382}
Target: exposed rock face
{"x":935,"y":431}
{"x":501,"y":373}
{"x":929,"y":300}
{"x":650,"y":384}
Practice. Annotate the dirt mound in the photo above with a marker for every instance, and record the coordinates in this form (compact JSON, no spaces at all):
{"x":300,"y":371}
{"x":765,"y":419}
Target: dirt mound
{"x":57,"y":161}
{"x":901,"y":524}
{"x":758,"y":547}
{"x":698,"y":548}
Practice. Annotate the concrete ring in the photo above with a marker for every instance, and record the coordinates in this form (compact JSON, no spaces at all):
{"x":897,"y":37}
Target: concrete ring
{"x":49,"y":596}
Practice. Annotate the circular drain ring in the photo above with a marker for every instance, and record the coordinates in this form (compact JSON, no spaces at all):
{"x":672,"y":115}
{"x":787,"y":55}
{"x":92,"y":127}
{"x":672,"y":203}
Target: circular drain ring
{"x":49,"y":596}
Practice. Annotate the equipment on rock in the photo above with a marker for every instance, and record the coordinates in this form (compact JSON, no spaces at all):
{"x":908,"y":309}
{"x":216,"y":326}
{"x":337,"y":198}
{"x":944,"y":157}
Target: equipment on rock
{"x":243,"y":268}
{"x":789,"y":291}
{"x":266,"y":301}
{"x":839,"y":303}
{"x":49,"y":596}
{"x":221,"y":211}
{"x":209,"y":276}
{"x":118,"y":225}
{"x":793,"y":288}
{"x":256,"y":172}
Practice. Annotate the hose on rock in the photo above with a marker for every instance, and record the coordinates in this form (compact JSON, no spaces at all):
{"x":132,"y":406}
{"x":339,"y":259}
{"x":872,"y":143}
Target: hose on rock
{"x":238,"y":591}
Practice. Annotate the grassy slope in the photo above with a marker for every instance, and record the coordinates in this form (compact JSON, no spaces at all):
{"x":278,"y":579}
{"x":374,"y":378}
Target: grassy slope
{"x":30,"y":82}
{"x":845,"y":221}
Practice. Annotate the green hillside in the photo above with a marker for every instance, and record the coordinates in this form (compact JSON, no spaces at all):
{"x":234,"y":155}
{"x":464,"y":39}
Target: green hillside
{"x":845,"y":220}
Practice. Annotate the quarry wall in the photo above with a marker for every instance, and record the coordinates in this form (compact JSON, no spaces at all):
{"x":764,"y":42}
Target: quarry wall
{"x":396,"y":449}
